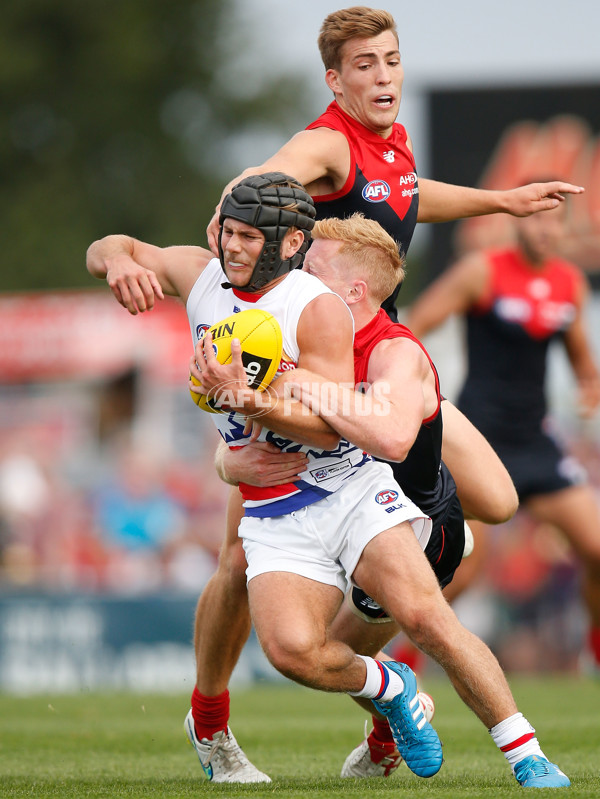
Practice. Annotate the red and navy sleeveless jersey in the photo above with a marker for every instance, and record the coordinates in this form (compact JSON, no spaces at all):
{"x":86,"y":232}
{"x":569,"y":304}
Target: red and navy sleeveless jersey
{"x":382,"y":182}
{"x":508,"y":334}
{"x":420,"y":473}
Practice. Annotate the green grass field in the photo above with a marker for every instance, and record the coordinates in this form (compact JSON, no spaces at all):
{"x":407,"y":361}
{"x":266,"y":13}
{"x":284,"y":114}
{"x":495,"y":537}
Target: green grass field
{"x":124,"y":745}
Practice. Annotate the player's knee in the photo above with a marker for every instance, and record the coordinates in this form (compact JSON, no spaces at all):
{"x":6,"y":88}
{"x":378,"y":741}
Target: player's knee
{"x":296,"y":658}
{"x":504,"y":502}
{"x":426,"y":624}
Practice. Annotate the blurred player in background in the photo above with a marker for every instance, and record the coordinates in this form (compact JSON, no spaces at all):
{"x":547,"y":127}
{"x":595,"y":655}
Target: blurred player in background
{"x":516,"y":301}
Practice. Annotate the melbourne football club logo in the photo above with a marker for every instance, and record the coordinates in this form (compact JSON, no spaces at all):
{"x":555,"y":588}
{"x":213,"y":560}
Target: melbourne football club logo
{"x":377,"y":191}
{"x":385,"y":497}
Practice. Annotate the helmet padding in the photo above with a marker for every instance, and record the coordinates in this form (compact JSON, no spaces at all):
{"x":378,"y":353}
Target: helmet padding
{"x":272,"y":203}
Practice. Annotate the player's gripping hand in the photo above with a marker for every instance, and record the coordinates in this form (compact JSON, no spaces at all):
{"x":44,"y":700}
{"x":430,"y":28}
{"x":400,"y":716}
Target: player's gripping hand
{"x":134,"y":286}
{"x":261,"y":463}
{"x":225,"y":384}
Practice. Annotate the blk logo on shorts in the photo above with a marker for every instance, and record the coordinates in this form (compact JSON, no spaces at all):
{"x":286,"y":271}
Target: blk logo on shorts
{"x":385,"y":497}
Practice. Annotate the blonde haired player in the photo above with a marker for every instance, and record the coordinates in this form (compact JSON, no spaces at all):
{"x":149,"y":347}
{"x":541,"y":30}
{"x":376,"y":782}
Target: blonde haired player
{"x":346,"y":254}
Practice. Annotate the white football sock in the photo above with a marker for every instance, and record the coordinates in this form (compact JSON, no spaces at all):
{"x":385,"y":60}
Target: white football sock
{"x":515,"y":738}
{"x":381,"y":683}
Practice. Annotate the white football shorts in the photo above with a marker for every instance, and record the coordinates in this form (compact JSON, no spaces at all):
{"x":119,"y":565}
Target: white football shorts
{"x":325,"y":540}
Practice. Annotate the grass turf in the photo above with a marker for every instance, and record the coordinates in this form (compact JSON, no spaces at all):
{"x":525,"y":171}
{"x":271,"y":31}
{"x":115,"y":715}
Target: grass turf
{"x":127,"y":745}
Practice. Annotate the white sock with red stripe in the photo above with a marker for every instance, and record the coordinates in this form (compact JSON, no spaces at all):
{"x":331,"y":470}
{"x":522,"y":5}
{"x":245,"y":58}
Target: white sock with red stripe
{"x":381,"y":683}
{"x":515,"y":738}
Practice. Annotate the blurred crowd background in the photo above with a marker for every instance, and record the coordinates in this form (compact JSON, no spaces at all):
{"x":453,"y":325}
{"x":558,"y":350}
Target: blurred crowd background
{"x":130,"y":117}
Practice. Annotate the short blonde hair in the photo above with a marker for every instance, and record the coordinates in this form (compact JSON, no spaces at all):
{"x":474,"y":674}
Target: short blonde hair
{"x":376,"y":255}
{"x":358,"y":22}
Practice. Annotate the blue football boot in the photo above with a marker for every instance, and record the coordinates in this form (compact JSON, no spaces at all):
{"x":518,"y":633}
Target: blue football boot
{"x":537,"y":772}
{"x":415,"y":738}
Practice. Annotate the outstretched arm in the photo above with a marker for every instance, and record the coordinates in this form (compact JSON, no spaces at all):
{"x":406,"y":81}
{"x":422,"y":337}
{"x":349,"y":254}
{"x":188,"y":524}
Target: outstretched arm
{"x":310,"y":156}
{"x":139,"y":273}
{"x":454,"y":292}
{"x":443,"y":202}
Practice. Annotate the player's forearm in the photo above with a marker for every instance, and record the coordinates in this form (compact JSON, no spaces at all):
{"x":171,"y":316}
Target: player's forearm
{"x":287,"y":417}
{"x":370,"y":421}
{"x":100,"y":252}
{"x":223,"y":468}
{"x":443,"y":202}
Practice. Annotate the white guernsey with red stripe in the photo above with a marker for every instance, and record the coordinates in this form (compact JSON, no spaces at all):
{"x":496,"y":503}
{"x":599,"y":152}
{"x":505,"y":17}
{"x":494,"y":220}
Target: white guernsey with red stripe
{"x":327,"y":471}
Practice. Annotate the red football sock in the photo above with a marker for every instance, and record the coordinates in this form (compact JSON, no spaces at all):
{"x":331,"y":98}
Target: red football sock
{"x":211,"y":713}
{"x":381,"y":733}
{"x":594,"y":643}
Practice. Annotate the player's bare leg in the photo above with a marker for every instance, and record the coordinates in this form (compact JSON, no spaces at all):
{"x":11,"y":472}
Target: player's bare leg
{"x":297,"y":640}
{"x":484,"y":486}
{"x":222,"y":623}
{"x":395,"y":572}
{"x":222,"y":626}
{"x":575,"y":512}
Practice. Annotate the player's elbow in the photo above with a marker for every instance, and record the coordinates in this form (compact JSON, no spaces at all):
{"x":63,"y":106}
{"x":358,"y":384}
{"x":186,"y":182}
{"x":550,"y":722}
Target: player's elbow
{"x":93,"y":262}
{"x":392,"y":447}
{"x":326,"y":441}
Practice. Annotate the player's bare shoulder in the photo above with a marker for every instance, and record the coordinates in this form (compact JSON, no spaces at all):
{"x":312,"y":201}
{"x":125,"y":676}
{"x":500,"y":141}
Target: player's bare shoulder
{"x":326,"y":318}
{"x":319,"y":158}
{"x":397,"y":356}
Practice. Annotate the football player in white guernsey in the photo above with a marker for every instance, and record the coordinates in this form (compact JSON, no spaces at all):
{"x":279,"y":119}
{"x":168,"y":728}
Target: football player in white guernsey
{"x":299,"y":560}
{"x":357,"y":259}
{"x":344,"y":516}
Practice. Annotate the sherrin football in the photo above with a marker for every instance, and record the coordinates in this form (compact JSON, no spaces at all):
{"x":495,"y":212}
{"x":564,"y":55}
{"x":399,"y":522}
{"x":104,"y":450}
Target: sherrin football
{"x":261,"y":342}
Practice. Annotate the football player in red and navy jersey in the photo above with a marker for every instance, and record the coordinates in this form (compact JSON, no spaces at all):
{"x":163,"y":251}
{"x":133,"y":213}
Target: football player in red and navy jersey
{"x":515,"y":301}
{"x":356,"y":158}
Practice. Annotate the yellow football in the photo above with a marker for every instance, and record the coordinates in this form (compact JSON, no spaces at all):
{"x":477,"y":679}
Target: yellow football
{"x":261,"y":342}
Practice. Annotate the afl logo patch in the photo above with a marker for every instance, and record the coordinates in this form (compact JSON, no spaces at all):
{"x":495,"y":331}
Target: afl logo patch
{"x":385,"y":497}
{"x":376,"y":191}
